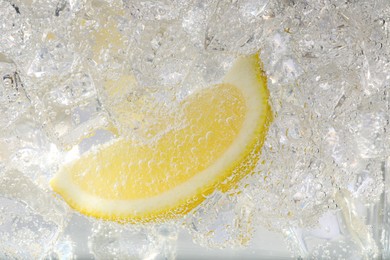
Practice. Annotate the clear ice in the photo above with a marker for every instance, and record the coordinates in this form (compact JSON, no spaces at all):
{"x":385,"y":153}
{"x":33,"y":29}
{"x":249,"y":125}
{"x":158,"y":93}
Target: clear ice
{"x":322,"y":183}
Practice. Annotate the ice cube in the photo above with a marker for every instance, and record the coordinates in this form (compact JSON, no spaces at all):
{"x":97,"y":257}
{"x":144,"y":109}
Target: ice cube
{"x":31,"y":219}
{"x":144,"y":242}
{"x":222,"y":221}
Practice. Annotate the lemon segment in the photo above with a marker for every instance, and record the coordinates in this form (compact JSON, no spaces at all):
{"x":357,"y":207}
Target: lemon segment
{"x":220,"y":142}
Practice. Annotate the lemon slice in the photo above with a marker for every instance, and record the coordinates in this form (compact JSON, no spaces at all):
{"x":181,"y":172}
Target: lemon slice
{"x":220,"y":142}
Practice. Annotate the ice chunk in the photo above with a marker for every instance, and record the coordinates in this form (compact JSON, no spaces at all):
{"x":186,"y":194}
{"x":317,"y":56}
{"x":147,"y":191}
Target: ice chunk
{"x":223,"y":221}
{"x":31,"y":219}
{"x":154,"y":242}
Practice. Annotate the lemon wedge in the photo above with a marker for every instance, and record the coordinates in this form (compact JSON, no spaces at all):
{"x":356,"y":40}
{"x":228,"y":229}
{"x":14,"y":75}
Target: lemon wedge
{"x":220,"y":142}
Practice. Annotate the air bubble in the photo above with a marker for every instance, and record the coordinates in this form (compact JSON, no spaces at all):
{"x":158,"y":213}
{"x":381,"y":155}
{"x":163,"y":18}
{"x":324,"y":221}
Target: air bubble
{"x":320,"y":195}
{"x":298,"y":196}
{"x":318,"y":186}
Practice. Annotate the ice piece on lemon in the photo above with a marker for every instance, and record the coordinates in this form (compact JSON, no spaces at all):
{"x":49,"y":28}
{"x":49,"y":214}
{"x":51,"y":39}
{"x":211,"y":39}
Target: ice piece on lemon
{"x":221,"y":142}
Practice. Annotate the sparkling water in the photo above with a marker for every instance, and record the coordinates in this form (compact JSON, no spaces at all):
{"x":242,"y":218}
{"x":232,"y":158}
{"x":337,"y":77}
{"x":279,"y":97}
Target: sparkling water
{"x":321,"y":188}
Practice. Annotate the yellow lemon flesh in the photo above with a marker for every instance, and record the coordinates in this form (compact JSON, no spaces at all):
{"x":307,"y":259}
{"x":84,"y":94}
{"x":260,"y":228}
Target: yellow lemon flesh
{"x":220,"y":142}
